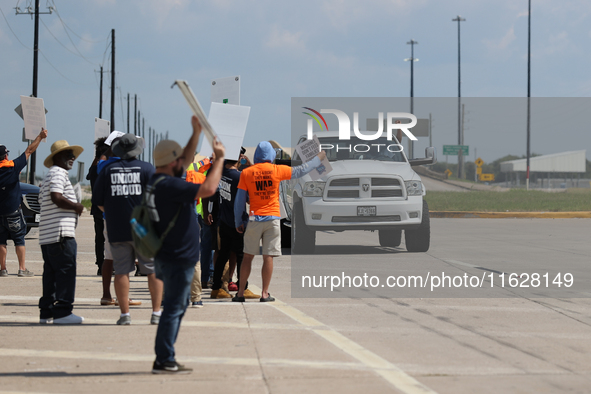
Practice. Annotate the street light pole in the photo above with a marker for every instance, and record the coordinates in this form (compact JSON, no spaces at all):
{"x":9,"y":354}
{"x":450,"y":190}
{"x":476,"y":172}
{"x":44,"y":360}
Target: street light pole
{"x":460,"y":142}
{"x":411,"y":59}
{"x":528,"y":89}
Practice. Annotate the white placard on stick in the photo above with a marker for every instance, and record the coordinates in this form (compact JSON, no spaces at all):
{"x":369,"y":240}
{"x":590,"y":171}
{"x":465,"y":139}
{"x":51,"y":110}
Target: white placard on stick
{"x":226,"y":90}
{"x":307,"y":150}
{"x":229,"y":121}
{"x":210,"y":134}
{"x":102,"y":128}
{"x":34,"y":116}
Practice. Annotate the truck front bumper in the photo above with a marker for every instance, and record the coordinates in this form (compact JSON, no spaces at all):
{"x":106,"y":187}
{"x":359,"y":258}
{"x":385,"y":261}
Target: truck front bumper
{"x":343,"y":215}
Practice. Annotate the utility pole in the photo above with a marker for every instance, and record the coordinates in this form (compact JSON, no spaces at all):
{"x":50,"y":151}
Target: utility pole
{"x":112,"y":79}
{"x":101,"y":96}
{"x":430,"y":131}
{"x":463,"y":175}
{"x":412,"y":60}
{"x":135,"y":112}
{"x":460,"y":157}
{"x":128,"y":114}
{"x":143,"y":154}
{"x":35,"y":69}
{"x":528,"y":90}
{"x":150,"y":143}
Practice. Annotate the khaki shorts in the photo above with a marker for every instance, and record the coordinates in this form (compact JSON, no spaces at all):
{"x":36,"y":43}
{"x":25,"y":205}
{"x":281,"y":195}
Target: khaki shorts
{"x":269,"y":232}
{"x":124,"y":259}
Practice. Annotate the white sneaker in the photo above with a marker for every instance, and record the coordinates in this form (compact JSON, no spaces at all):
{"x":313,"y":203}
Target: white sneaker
{"x":70,"y":319}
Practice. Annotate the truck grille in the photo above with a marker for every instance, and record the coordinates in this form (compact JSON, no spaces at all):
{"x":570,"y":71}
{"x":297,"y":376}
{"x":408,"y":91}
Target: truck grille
{"x":32,"y":202}
{"x":377,"y":193}
{"x":366,"y":187}
{"x":345,"y":182}
{"x":343,"y":194}
{"x":385,"y":182}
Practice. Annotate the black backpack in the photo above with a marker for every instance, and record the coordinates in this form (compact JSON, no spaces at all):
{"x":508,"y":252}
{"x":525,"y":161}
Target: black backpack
{"x":149,"y":245}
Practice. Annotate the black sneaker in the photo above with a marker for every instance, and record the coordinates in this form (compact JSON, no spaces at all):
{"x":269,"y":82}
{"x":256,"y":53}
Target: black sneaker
{"x":238,"y":299}
{"x":170,"y":367}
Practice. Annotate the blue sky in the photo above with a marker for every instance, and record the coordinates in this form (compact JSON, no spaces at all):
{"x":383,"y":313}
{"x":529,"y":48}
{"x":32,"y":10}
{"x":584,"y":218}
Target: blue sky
{"x":289,"y":49}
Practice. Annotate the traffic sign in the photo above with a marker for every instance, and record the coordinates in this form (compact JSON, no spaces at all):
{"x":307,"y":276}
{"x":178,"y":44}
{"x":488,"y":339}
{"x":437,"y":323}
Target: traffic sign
{"x":448,"y":172}
{"x":478,"y":170}
{"x":479,"y":162}
{"x":454,"y":150}
{"x":487,"y":177}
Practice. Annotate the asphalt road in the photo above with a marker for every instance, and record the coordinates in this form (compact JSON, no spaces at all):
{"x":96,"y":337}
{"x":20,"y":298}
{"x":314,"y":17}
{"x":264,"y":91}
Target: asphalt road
{"x":464,"y":343}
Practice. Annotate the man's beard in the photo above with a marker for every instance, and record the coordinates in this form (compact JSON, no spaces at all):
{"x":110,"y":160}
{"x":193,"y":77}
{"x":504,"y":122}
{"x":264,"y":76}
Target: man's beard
{"x":178,"y":172}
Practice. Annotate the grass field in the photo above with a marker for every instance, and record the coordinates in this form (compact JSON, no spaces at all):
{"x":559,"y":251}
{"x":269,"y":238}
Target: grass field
{"x":515,"y":200}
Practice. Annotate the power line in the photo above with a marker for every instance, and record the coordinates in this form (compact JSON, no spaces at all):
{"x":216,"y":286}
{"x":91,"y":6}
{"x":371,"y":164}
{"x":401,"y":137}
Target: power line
{"x":69,"y":28}
{"x":8,"y":24}
{"x":58,"y":71}
{"x":65,"y":47}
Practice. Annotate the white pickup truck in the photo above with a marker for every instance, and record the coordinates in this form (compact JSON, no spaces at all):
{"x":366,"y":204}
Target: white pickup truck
{"x":371,"y":187}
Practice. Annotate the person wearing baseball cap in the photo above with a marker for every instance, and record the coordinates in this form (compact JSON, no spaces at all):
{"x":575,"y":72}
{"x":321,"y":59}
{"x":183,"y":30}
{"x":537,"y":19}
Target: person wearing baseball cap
{"x":12,"y":221}
{"x":176,"y":259}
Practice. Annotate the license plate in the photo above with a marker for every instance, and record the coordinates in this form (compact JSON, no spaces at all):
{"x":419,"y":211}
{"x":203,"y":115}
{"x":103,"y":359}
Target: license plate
{"x":366,"y":211}
{"x":37,"y":217}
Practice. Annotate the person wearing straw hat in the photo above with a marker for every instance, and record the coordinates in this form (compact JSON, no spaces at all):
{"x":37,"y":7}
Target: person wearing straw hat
{"x":12,"y":222}
{"x":57,"y":230}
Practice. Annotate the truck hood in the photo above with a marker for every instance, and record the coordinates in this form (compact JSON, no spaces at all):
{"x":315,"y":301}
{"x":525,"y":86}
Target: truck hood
{"x":371,"y":167}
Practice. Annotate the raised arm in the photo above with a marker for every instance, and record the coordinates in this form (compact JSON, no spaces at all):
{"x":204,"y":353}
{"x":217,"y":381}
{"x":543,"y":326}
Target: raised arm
{"x":35,"y":144}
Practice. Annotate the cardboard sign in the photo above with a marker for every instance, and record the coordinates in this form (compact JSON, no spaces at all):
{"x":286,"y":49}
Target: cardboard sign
{"x":102,"y":128}
{"x":307,"y":150}
{"x":230,"y":122}
{"x":210,"y":134}
{"x":226,"y":90}
{"x":34,"y":116}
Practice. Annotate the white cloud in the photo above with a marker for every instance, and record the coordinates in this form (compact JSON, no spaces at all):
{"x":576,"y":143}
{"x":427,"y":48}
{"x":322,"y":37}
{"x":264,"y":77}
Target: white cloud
{"x":286,"y":40}
{"x":504,"y":42}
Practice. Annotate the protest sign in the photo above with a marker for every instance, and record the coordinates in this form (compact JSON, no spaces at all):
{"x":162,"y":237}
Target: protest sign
{"x":229,"y":121}
{"x":210,"y":134}
{"x":226,"y":90}
{"x":102,"y":128}
{"x":307,"y":150}
{"x":33,"y":115}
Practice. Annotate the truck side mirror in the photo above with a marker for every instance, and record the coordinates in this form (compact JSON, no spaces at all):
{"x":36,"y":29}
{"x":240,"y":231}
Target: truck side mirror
{"x":431,"y":158}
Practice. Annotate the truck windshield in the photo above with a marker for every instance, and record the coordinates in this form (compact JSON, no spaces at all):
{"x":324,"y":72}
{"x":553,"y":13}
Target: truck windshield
{"x":355,"y":149}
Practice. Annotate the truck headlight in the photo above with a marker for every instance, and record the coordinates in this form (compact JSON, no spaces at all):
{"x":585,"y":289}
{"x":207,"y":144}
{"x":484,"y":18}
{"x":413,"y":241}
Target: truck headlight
{"x":314,"y":189}
{"x":413,"y":188}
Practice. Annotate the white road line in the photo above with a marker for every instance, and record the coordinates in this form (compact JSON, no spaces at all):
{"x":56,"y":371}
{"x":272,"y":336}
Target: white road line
{"x":254,"y":362}
{"x":391,"y":373}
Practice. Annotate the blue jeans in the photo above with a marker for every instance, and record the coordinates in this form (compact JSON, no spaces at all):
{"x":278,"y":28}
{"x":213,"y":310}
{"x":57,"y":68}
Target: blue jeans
{"x":59,"y":278}
{"x":13,"y":226}
{"x":207,"y":234}
{"x":177,"y":277}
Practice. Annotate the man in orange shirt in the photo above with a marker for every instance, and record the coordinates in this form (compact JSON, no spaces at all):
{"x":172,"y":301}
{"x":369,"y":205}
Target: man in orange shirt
{"x":260,"y":182}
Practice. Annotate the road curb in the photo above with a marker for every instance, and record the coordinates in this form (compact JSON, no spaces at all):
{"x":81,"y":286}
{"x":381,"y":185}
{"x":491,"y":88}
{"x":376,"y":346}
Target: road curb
{"x":504,"y":215}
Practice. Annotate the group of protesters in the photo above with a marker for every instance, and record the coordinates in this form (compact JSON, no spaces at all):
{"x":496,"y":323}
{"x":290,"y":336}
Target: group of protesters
{"x":202,"y":214}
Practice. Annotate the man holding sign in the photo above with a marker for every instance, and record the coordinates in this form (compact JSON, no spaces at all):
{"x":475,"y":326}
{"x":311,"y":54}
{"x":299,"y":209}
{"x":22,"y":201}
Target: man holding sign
{"x":12,"y":222}
{"x":260,"y":182}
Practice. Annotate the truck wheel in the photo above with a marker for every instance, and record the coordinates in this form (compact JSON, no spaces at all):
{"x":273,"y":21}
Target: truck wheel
{"x":419,"y":240}
{"x":304,"y":239}
{"x":285,"y":235}
{"x":391,"y":238}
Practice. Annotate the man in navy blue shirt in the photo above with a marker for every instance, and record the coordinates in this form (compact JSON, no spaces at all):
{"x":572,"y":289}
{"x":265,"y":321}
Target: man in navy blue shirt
{"x":12,"y":221}
{"x":175,"y":261}
{"x":118,"y":189}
